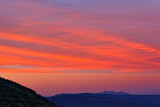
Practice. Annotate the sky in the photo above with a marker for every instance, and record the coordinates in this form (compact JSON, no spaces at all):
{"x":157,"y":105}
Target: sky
{"x":73,"y":46}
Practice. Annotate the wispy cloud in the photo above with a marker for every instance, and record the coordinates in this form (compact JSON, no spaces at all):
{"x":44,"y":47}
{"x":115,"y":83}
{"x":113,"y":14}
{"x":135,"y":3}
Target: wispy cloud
{"x":76,"y":35}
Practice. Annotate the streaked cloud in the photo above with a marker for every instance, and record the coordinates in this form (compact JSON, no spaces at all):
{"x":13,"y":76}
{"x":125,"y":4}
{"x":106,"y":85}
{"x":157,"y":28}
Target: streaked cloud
{"x":79,"y":35}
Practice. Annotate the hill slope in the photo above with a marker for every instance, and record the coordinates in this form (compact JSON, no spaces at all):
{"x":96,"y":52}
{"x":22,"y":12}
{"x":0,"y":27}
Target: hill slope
{"x":15,"y":95}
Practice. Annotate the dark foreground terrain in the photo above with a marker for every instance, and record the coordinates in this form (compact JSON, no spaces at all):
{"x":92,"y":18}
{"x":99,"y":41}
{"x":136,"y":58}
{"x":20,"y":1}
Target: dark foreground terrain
{"x":15,"y":95}
{"x":105,"y":100}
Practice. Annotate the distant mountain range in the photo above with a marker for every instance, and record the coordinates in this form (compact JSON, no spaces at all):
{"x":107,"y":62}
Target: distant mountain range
{"x":105,"y":99}
{"x":15,"y":95}
{"x":114,"y":93}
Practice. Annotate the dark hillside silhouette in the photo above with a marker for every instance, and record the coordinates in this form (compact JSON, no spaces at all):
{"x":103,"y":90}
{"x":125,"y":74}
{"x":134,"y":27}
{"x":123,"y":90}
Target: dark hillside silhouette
{"x":15,"y":95}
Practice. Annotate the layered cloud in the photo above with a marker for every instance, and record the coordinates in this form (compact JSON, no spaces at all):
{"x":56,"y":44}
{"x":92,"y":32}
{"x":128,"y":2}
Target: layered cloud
{"x":58,"y":36}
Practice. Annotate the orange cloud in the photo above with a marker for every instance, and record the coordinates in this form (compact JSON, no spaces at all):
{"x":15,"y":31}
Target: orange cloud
{"x":74,"y":38}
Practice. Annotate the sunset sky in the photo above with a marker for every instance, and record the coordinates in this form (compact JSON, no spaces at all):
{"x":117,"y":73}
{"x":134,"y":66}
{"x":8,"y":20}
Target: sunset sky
{"x":73,"y":46}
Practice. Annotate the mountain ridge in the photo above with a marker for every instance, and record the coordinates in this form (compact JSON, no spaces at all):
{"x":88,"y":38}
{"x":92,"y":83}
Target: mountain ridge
{"x":115,"y":93}
{"x":105,"y":100}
